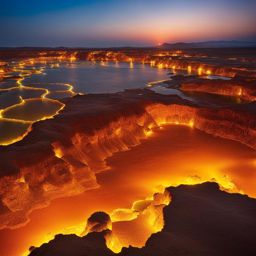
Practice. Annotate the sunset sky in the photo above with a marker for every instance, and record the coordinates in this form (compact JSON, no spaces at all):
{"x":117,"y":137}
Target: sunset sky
{"x":99,"y":23}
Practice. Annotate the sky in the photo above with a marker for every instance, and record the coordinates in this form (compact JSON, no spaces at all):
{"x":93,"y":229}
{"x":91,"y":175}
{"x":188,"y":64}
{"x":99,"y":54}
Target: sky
{"x":104,"y":23}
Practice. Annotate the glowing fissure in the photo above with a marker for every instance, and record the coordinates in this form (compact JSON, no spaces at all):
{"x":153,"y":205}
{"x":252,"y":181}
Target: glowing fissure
{"x":72,"y":169}
{"x":165,"y":59}
{"x":148,"y":211}
{"x":45,"y":97}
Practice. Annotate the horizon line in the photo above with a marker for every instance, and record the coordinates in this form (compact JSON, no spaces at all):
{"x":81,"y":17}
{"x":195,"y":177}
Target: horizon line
{"x":134,"y":46}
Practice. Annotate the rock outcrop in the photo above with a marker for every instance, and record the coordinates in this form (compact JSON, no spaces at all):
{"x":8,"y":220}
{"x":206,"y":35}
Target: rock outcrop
{"x":201,"y":220}
{"x":62,"y":156}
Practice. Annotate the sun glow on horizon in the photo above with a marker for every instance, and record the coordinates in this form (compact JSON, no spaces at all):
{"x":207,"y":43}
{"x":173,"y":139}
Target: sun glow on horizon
{"x":128,"y":23}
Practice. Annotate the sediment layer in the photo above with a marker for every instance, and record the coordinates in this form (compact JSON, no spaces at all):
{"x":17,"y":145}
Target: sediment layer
{"x":240,"y":88}
{"x":62,"y":156}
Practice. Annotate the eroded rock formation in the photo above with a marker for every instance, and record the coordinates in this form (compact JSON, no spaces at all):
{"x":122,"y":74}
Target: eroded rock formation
{"x":240,"y":88}
{"x":201,"y":220}
{"x":62,"y":156}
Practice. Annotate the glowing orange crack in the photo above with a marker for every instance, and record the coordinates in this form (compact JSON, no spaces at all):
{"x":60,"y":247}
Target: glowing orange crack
{"x":23,"y":101}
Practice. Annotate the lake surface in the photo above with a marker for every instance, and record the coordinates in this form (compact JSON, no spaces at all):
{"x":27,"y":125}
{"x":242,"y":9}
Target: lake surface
{"x":36,"y":97}
{"x":88,"y":77}
{"x":158,"y":161}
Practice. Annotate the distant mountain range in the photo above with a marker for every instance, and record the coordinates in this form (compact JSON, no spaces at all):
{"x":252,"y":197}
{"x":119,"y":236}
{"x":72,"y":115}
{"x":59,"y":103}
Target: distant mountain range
{"x":166,"y":46}
{"x":208,"y":44}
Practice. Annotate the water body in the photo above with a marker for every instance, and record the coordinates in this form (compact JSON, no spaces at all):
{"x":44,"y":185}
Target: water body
{"x":40,"y":90}
{"x":70,"y":78}
{"x":162,"y":89}
{"x":157,"y":161}
{"x":87,"y":77}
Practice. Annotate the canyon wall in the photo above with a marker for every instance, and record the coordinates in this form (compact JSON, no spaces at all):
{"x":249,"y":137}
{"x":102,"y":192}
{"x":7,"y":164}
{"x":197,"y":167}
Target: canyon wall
{"x":73,"y":147}
{"x":241,"y":89}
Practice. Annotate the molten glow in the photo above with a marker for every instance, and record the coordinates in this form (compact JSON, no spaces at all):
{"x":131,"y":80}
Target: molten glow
{"x":113,"y":243}
{"x":131,"y":63}
{"x":24,"y":126}
{"x":148,"y":132}
{"x":200,"y":71}
{"x":123,"y":215}
{"x":58,"y":152}
{"x":174,"y":69}
{"x":160,"y":65}
{"x":148,"y":212}
{"x":19,"y":82}
{"x":150,"y":84}
{"x":45,"y":95}
{"x":240,"y":92}
{"x":207,"y":159}
{"x":191,"y":123}
{"x":72,"y":58}
{"x":208,"y":163}
{"x":152,"y":63}
{"x":22,"y":101}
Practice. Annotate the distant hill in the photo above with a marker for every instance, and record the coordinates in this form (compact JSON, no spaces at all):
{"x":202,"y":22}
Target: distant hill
{"x":165,"y":46}
{"x":208,"y":44}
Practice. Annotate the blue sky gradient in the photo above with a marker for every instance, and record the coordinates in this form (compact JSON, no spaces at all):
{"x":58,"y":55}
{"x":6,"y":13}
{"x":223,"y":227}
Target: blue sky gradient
{"x":98,"y":23}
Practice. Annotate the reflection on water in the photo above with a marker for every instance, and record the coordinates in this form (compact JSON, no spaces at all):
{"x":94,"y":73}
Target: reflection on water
{"x":49,"y":86}
{"x":13,"y":96}
{"x":88,"y":77}
{"x":34,"y":96}
{"x":162,"y":89}
{"x":171,"y":156}
{"x":33,"y":110}
{"x":44,"y":82}
{"x":217,"y":77}
{"x":7,"y":84}
{"x":10,"y":131}
{"x":155,"y":163}
{"x":189,"y":73}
